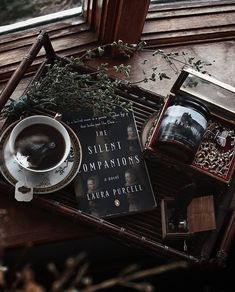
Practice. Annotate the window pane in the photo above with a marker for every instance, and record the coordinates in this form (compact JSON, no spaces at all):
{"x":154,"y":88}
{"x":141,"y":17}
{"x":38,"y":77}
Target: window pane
{"x":12,"y":11}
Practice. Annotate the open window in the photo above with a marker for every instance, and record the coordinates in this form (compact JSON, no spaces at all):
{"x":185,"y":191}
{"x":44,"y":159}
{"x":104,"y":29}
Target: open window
{"x":17,"y":15}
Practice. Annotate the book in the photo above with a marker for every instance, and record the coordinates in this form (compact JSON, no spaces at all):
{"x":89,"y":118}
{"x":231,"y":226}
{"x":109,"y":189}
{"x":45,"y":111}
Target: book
{"x":113,"y":179}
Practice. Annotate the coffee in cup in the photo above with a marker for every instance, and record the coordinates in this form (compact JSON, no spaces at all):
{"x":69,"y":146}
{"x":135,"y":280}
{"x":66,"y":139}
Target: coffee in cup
{"x":39,"y":143}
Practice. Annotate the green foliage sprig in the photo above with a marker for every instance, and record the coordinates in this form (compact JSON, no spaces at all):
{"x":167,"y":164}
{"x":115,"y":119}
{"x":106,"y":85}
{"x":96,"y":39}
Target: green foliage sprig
{"x":64,"y":88}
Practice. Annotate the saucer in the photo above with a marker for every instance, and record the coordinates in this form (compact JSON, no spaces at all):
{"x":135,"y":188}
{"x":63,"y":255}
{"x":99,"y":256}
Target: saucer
{"x":44,"y":182}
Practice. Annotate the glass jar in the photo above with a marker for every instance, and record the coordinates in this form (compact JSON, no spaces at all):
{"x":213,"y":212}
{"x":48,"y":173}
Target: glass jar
{"x":182,"y":128}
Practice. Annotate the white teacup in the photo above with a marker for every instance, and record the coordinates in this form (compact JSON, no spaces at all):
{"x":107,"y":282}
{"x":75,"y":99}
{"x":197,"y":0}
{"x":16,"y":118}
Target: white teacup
{"x":45,"y":148}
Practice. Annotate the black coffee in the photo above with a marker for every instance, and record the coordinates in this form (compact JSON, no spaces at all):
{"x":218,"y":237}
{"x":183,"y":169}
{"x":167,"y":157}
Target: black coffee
{"x":39,"y":147}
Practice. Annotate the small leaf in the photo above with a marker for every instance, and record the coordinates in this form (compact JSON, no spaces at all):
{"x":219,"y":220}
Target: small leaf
{"x":163,"y":76}
{"x":100,"y":51}
{"x":153,"y":77}
{"x":144,"y":62}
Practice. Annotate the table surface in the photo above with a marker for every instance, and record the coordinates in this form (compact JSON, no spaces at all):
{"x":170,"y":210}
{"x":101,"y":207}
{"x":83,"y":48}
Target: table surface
{"x":25,"y":223}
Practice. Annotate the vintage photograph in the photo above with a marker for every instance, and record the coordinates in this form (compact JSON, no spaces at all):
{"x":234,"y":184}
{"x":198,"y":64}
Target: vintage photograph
{"x":182,"y":124}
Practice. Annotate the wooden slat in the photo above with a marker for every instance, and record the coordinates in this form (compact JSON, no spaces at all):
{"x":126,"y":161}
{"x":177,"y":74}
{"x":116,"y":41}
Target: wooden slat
{"x":198,"y":32}
{"x":167,"y":43}
{"x":8,"y":70}
{"x":60,"y":45}
{"x":187,"y":4}
{"x":189,"y":11}
{"x":184,"y":23}
{"x":66,"y":46}
{"x":30,"y":32}
{"x":190,"y":37}
{"x":189,"y":23}
{"x":54,"y":34}
{"x":69,"y":37}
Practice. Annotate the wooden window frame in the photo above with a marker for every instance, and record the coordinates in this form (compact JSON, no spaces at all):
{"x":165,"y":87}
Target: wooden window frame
{"x":186,"y":23}
{"x":113,"y":19}
{"x":109,"y":20}
{"x":102,"y":23}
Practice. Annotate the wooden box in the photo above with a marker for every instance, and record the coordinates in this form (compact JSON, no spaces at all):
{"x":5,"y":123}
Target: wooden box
{"x":218,"y":159}
{"x":199,"y":217}
{"x":144,"y":230}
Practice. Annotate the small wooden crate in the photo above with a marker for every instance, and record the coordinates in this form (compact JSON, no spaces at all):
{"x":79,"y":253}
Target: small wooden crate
{"x":141,"y":230}
{"x":219,"y":98}
{"x":200,"y":217}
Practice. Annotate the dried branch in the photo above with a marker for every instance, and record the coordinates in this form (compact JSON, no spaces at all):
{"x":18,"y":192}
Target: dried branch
{"x":68,"y":273}
{"x":126,"y":280}
{"x":63,"y":88}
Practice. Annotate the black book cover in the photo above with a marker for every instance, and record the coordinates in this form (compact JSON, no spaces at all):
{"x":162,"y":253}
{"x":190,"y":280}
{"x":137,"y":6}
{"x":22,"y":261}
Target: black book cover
{"x":113,"y":178}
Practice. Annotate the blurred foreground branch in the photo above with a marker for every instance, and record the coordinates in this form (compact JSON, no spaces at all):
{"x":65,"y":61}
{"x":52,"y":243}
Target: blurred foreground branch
{"x":126,"y":280}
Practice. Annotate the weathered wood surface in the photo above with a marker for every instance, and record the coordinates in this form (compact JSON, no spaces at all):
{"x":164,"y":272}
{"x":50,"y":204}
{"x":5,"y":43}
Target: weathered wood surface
{"x":222,"y":68}
{"x":26,"y":224}
{"x":189,"y":4}
{"x":180,"y":23}
{"x":71,"y":37}
{"x":68,"y":37}
{"x":190,"y":23}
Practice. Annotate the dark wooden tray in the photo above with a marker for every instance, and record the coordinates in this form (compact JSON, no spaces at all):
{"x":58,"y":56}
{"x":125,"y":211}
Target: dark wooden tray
{"x":141,"y":230}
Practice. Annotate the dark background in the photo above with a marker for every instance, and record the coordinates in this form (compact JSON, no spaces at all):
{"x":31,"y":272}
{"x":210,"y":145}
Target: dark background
{"x":107,"y":258}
